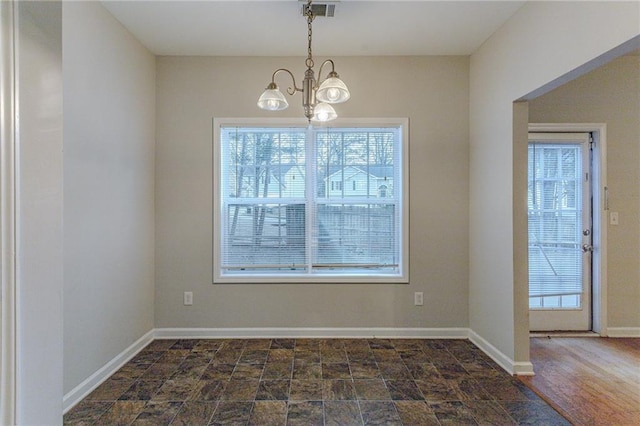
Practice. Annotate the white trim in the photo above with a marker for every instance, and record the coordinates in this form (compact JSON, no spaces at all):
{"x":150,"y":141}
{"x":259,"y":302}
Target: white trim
{"x":96,"y":379}
{"x":599,"y":282}
{"x":265,"y":333}
{"x":623,"y":332}
{"x":504,"y":361}
{"x":8,"y":226}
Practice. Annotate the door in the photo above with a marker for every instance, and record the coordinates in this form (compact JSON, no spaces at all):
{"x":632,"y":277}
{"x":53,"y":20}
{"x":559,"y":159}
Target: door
{"x":560,"y":231}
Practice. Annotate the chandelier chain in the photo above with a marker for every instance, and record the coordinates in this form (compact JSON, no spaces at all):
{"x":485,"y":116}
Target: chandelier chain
{"x":309,"y":62}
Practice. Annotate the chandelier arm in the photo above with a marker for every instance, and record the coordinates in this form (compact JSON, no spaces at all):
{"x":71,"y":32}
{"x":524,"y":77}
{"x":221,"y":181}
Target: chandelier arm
{"x":320,"y":79}
{"x":290,"y":91}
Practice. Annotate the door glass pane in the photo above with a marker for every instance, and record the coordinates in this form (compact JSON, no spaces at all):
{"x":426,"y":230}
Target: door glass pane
{"x":555,"y":225}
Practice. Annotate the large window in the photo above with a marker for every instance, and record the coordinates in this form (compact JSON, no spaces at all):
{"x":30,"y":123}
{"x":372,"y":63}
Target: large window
{"x":294,"y":203}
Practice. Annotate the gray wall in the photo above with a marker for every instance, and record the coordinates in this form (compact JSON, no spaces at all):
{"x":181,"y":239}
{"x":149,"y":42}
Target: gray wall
{"x":431,"y":91}
{"x":109,"y":125}
{"x":610,"y":95}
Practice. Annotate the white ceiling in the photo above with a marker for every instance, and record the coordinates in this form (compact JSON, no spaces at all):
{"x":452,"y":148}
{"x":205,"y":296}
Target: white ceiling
{"x":277,"y":28}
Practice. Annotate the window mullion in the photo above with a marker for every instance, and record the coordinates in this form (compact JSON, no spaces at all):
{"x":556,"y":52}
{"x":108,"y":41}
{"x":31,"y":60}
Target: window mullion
{"x":310,"y":197}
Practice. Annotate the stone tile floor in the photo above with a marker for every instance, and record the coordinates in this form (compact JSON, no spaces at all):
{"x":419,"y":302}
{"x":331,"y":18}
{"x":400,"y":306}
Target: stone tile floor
{"x":312,"y":382}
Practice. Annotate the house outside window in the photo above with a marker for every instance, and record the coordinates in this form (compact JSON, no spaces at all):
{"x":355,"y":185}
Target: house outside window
{"x":294,"y":203}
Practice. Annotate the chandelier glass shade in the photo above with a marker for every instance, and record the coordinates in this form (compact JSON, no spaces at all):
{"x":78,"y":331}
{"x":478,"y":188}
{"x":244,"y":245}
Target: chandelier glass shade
{"x":316,"y":95}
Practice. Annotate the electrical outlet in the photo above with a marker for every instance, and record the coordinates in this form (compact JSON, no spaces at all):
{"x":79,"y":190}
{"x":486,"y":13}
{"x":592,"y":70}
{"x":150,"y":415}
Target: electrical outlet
{"x":613,"y":218}
{"x":418,"y":298}
{"x":188,"y":298}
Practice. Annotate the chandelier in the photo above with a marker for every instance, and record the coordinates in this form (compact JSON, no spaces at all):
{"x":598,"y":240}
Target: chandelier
{"x":317,"y":96}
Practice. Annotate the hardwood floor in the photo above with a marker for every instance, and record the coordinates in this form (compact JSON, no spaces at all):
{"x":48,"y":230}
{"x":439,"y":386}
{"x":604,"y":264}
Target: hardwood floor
{"x":592,"y":381}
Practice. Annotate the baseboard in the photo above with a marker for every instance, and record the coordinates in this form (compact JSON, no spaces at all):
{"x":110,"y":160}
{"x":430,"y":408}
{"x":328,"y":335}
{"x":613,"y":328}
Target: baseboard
{"x":302,"y":332}
{"x":511,"y":366}
{"x":623,"y":331}
{"x":86,"y":387}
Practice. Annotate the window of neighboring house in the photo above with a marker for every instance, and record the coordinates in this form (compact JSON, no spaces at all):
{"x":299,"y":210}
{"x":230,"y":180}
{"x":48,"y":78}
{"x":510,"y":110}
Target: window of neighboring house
{"x":280,"y":212}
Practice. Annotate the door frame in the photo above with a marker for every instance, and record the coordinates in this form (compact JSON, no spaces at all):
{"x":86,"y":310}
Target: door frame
{"x":600,"y":209}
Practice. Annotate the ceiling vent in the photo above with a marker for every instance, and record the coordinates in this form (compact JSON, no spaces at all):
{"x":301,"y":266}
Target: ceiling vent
{"x":325,"y":8}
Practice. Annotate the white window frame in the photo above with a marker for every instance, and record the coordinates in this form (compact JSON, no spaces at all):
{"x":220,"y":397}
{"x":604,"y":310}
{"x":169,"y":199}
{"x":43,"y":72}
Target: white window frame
{"x":360,"y":276}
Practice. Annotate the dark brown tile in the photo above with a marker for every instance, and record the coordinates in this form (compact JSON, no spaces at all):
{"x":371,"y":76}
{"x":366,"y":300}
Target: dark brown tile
{"x":404,"y":390}
{"x":268,"y":413}
{"x":437,"y":390}
{"x":308,"y":356}
{"x":394,"y":371}
{"x":379,"y":413}
{"x":380,"y":344}
{"x":86,"y":412}
{"x":342,"y":413}
{"x":157,"y":413}
{"x":142,"y":390}
{"x":130,"y":371}
{"x":283,"y":343}
{"x":232,"y":413}
{"x":364,"y":370}
{"x":185,"y":344}
{"x":533,"y":413}
{"x":280,"y":355}
{"x":307,"y":345}
{"x":451,"y":369}
{"x":453,"y":413}
{"x":227,"y":356}
{"x":335,"y":371}
{"x":277,"y":370}
{"x":305,"y":413}
{"x":422,"y":371}
{"x":208,"y":390}
{"x":306,"y":390}
{"x":502,"y":390}
{"x":408,"y":344}
{"x":334,"y":356}
{"x":413,"y":356}
{"x":234,"y":344}
{"x":160,"y":345}
{"x":110,"y":390}
{"x":190,"y":369}
{"x":386,"y":355}
{"x":416,"y":413}
{"x":362,"y":356}
{"x":371,"y":389}
{"x":218,"y":372}
{"x":175,"y":390}
{"x":338,"y":390}
{"x":273,"y":390}
{"x":469,"y":389}
{"x":240,"y":390}
{"x":259,"y":344}
{"x":121,"y":413}
{"x":489,"y":413}
{"x":209,"y":345}
{"x":303,"y":370}
{"x":253,"y":356}
{"x":195,"y":413}
{"x":174,"y":356}
{"x":247,"y":371}
{"x":160,"y":371}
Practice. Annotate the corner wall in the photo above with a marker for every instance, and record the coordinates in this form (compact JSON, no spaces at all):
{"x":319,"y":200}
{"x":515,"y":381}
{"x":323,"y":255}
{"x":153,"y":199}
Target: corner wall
{"x":540,"y":43}
{"x":109,"y":149}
